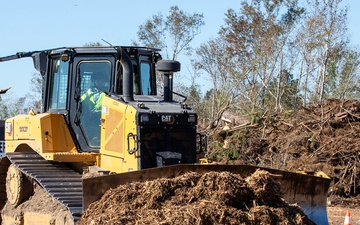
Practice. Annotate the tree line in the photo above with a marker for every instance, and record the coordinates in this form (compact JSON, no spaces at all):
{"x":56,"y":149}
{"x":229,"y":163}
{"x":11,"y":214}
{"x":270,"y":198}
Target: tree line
{"x":269,"y":56}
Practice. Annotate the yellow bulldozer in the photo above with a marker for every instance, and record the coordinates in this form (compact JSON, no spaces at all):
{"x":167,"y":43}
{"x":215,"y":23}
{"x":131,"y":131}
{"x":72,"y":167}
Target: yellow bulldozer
{"x":101,"y":112}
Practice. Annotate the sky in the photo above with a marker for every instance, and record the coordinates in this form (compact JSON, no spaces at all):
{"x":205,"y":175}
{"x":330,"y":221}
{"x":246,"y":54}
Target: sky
{"x":43,"y":24}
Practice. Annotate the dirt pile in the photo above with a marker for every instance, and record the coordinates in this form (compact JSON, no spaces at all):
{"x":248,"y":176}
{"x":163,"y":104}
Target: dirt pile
{"x":318,"y":138}
{"x":41,"y":202}
{"x":192,"y":198}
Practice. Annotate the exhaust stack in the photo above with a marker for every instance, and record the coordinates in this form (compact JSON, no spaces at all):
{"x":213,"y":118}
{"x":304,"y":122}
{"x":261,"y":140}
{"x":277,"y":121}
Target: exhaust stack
{"x":128,"y":90}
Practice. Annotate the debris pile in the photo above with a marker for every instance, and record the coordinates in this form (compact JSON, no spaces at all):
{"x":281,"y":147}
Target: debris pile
{"x":317,"y":138}
{"x":192,"y":198}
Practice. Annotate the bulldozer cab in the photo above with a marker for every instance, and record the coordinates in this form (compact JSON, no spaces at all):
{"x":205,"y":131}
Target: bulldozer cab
{"x":77,"y":79}
{"x":101,"y":105}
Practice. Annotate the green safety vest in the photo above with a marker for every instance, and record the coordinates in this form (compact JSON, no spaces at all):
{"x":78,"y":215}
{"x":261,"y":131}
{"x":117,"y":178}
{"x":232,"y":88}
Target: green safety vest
{"x":92,"y":101}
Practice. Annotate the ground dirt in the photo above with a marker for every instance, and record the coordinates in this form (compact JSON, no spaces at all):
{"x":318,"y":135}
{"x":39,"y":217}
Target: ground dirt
{"x":336,"y":215}
{"x":317,"y":138}
{"x":39,"y":202}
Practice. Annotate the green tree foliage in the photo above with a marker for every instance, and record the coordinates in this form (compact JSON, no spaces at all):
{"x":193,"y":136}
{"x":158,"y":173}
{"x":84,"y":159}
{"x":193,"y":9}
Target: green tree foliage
{"x":289,"y":96}
{"x":11,"y":106}
{"x":172,"y":34}
{"x":218,"y":66}
{"x":4,"y":112}
{"x":34,"y":99}
{"x":178,"y":28}
{"x":278,"y":55}
{"x":322,"y":40}
{"x":194,"y":98}
{"x":92,"y":44}
{"x":342,"y":79}
{"x":255,"y":44}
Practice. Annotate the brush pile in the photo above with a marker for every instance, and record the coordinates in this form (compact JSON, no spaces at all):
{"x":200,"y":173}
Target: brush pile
{"x":192,"y":198}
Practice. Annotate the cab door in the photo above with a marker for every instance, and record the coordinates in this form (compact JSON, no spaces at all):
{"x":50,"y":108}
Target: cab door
{"x":84,"y":119}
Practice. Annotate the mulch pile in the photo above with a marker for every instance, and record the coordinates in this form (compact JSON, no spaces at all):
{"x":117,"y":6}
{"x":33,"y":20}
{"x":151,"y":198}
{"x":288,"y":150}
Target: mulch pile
{"x":192,"y":198}
{"x":317,"y":138}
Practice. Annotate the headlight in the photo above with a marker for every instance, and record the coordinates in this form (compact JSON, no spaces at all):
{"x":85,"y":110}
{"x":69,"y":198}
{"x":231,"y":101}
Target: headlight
{"x":144,"y":118}
{"x":192,"y":119}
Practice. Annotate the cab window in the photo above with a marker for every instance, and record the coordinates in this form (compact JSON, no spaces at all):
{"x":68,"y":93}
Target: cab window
{"x":145,"y":78}
{"x":59,"y":85}
{"x":141,"y":79}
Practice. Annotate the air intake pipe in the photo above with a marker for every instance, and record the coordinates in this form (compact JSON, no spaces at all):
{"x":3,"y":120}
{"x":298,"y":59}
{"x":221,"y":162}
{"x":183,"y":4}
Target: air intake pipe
{"x":168,"y":67}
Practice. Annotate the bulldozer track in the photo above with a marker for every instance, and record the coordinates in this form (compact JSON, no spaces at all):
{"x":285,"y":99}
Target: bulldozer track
{"x":61,"y":182}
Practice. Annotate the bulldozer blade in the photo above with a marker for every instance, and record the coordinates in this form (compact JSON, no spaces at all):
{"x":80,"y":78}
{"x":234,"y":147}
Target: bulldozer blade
{"x":309,"y":192}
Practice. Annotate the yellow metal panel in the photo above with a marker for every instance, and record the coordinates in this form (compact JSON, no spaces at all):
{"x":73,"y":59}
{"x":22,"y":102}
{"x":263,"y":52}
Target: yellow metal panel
{"x":55,"y":134}
{"x":22,"y":145}
{"x":72,"y":157}
{"x":44,"y":133}
{"x":118,"y":120}
{"x":114,"y":128}
{"x":131,"y":160}
{"x":111,"y":163}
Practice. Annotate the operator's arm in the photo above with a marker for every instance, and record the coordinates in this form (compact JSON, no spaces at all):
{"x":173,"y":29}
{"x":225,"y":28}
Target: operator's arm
{"x":87,"y":103}
{"x":98,"y":103}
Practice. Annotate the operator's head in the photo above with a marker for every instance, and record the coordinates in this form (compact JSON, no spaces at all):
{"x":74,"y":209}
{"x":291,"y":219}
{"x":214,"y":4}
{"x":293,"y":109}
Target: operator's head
{"x":98,"y":79}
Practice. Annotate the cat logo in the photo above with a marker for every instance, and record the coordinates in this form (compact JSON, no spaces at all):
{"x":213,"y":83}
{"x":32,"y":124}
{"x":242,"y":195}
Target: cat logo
{"x":169,"y":119}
